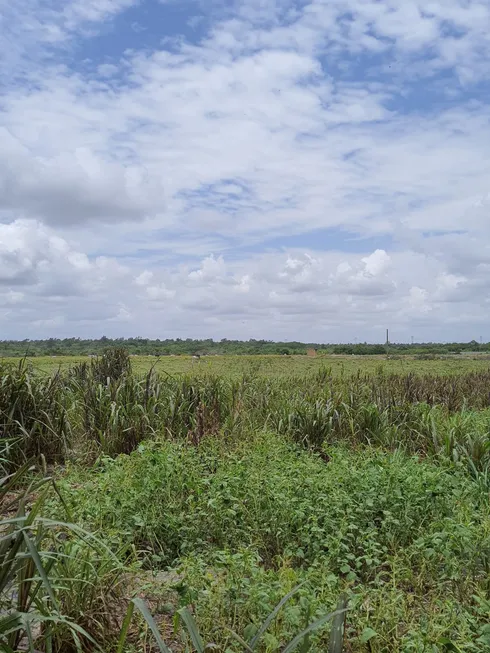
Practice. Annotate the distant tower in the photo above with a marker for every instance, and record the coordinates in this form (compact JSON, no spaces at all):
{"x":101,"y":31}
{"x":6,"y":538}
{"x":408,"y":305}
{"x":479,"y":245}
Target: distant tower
{"x":387,"y":338}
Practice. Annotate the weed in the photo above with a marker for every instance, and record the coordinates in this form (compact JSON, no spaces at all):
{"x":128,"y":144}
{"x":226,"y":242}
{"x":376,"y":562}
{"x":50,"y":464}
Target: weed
{"x":372,"y":484}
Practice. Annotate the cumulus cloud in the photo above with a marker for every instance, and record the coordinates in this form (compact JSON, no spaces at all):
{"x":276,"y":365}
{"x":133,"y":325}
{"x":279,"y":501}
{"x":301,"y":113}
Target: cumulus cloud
{"x":376,"y":263}
{"x":72,"y":187}
{"x":58,"y":288}
{"x":212,"y":269}
{"x":43,"y":276}
{"x":164,"y":183}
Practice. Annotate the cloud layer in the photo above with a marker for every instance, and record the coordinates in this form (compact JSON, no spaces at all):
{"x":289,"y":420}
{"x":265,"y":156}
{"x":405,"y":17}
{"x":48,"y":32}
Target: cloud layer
{"x":314,"y":170}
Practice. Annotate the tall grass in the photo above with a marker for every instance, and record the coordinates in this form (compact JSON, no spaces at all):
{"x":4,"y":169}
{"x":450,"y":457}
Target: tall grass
{"x":237,"y":469}
{"x":33,"y":417}
{"x":86,"y":411}
{"x":63,"y":591}
{"x":59,"y":585}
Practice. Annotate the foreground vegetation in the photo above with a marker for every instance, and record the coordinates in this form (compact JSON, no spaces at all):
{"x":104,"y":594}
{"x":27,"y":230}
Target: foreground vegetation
{"x":150,"y":510}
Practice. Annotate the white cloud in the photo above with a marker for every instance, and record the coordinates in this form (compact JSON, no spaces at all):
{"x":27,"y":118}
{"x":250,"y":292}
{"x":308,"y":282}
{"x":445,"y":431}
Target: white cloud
{"x":211,"y":269}
{"x":144,"y":278}
{"x":41,"y":274}
{"x":34,"y":30}
{"x":159,"y":292}
{"x":376,"y":263}
{"x":330,"y":295}
{"x":243,"y":284}
{"x":72,"y":186}
{"x":156,"y":180}
{"x":417,"y":302}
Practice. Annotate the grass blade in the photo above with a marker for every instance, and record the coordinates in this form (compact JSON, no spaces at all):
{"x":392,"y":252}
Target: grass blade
{"x":315,"y":625}
{"x":39,"y":565}
{"x":141,"y":605}
{"x":336,"y":640}
{"x":240,"y":640}
{"x":255,"y":639}
{"x":191,"y":626}
{"x":125,"y":628}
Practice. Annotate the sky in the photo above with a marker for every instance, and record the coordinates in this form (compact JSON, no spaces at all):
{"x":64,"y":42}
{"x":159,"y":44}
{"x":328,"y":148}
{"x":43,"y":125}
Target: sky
{"x":316,"y":170}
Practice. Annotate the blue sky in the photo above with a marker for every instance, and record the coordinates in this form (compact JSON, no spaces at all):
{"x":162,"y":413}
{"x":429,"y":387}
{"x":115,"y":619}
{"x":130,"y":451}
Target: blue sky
{"x":313,"y":170}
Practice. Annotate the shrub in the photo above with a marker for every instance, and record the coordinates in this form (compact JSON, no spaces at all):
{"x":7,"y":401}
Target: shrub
{"x":56,"y":581}
{"x":33,"y":418}
{"x":113,"y":364}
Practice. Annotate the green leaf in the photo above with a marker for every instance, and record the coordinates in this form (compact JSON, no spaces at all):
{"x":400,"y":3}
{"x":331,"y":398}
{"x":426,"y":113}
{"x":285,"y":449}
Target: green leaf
{"x":271,"y":642}
{"x":239,"y":639}
{"x":141,"y":605}
{"x":336,"y":640}
{"x":125,"y":628}
{"x":10,"y":622}
{"x":191,"y":626}
{"x":315,"y":625}
{"x":6,"y":648}
{"x":249,"y":631}
{"x":39,"y":565}
{"x":268,"y":621}
{"x":367,"y":634}
{"x":449,"y":645}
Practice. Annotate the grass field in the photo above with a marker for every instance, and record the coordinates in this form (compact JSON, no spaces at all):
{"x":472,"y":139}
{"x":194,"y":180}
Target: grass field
{"x":190,"y":498}
{"x":275,"y":366}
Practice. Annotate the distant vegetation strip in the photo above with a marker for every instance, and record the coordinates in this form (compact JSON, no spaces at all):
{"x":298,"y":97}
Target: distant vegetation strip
{"x":179,"y":347}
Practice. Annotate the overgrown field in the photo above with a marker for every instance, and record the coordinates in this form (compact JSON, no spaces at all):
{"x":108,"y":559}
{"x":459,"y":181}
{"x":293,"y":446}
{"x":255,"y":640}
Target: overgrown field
{"x":176,"y":508}
{"x":278,"y":366}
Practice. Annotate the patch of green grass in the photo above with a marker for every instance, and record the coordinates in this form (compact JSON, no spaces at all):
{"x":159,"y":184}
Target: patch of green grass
{"x":274,"y":366}
{"x":247,"y":522}
{"x":60,"y":587}
{"x":235,"y":479}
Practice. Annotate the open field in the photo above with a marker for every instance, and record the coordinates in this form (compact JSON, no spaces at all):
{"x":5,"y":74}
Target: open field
{"x":274,"y":366}
{"x":210,"y":490}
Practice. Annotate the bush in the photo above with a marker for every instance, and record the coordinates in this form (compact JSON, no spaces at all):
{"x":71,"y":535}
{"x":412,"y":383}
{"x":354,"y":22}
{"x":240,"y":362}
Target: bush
{"x":352,"y":512}
{"x":244,"y":522}
{"x":33,"y":420}
{"x":59,"y":585}
{"x":113,"y":364}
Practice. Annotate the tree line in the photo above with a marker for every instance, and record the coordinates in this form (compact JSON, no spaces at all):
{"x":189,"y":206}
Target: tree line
{"x":189,"y":346}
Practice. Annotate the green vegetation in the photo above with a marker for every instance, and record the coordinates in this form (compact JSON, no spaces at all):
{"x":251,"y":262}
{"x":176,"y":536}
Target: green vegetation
{"x":274,"y":508}
{"x":189,"y":347}
{"x":275,"y":366}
